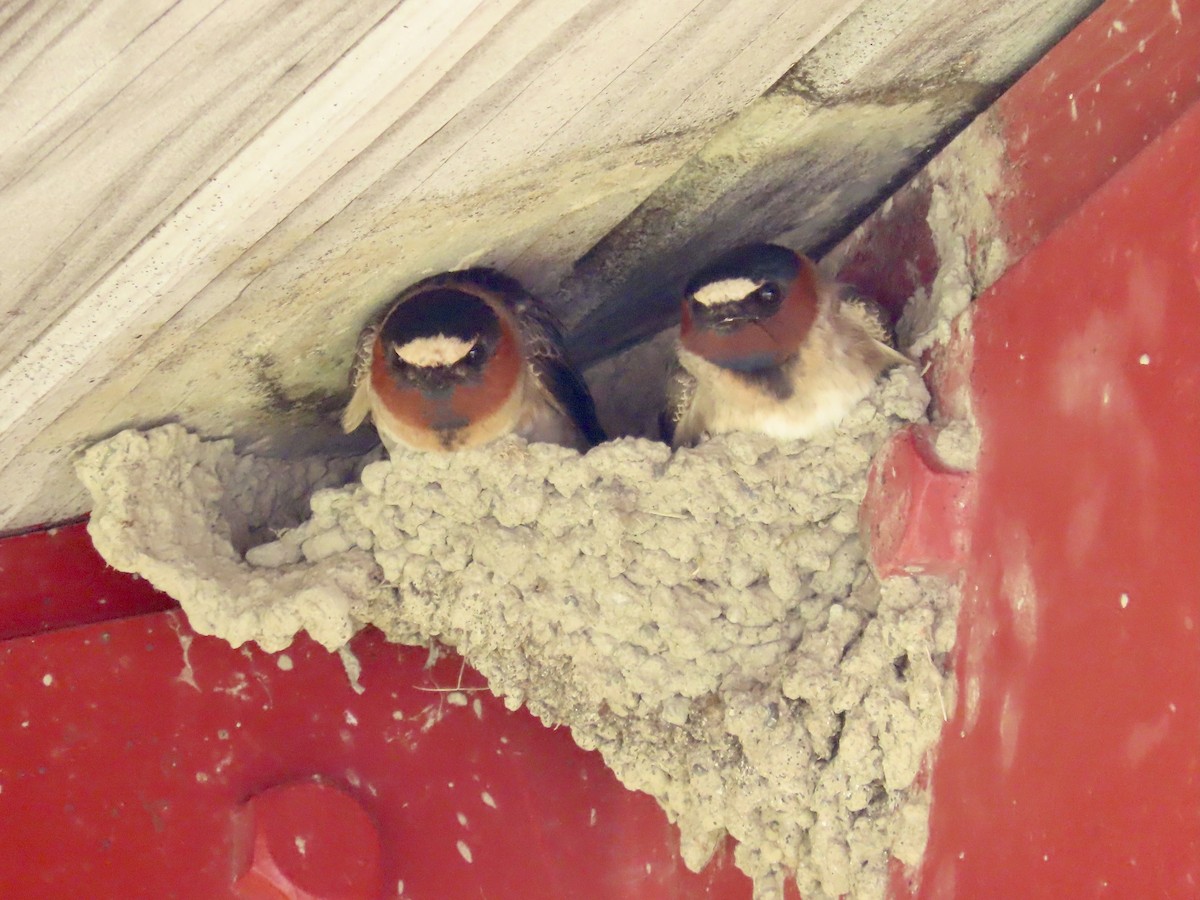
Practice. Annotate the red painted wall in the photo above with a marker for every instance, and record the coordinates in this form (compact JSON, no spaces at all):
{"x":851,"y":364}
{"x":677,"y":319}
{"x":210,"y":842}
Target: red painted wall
{"x":1070,"y":767}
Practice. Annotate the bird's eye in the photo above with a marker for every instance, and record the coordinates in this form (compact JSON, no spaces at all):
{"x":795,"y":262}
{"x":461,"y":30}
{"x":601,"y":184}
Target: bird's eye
{"x":475,"y":354}
{"x":769,"y":293}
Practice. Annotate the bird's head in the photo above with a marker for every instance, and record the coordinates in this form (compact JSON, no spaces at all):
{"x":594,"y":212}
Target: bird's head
{"x":445,"y":358}
{"x":750,"y":309}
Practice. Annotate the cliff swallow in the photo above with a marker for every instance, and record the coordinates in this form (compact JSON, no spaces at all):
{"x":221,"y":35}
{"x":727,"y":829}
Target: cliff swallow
{"x":462,"y":358}
{"x":767,"y":345}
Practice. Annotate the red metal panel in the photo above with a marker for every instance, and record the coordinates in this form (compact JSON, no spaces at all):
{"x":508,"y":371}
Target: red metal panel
{"x":55,"y":579}
{"x":1072,"y":766}
{"x":129,"y":747}
{"x":1074,"y":119}
{"x":1106,"y":91}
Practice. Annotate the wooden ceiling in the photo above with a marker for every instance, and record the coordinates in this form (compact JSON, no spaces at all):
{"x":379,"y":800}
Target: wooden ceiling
{"x":200,"y":201}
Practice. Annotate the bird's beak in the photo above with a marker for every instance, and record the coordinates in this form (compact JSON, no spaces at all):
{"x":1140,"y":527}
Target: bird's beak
{"x":440,"y":380}
{"x":728,"y":323}
{"x":721,"y":319}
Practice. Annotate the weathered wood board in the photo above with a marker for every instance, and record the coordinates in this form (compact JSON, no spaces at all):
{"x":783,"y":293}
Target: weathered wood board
{"x":200,"y":201}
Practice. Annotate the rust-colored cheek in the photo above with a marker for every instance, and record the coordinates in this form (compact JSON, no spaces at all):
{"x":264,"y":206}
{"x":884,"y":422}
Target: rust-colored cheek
{"x":405,"y":404}
{"x":762,"y":344}
{"x":464,"y":405}
{"x":749,"y":347}
{"x":473,"y":402}
{"x":791,"y":325}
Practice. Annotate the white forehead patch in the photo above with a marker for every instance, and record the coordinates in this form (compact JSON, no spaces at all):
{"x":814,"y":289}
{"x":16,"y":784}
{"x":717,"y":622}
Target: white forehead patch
{"x":439,"y":350}
{"x":728,"y":290}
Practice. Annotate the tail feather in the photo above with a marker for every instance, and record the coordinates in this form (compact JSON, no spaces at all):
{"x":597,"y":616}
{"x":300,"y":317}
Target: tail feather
{"x":358,"y":408}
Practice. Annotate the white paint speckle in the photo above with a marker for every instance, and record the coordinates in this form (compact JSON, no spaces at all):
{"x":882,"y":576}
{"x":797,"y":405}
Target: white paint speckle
{"x":223,"y":763}
{"x":462,"y":819}
{"x":463,"y":850}
{"x":488,"y":799}
{"x":1175,"y":12}
{"x":477,"y":707}
{"x":353,"y":668}
{"x":284,"y":662}
{"x":1144,"y":737}
{"x":456,"y":698}
{"x":351,"y":719}
{"x":1144,"y":359}
{"x":47,"y":679}
{"x":1118,"y":26}
{"x":1074,"y":108}
{"x":1010,"y":727}
{"x":1020,"y":589}
{"x":400,"y":888}
{"x":592,"y":817}
{"x":301,"y":846}
{"x":398,"y":715}
{"x":649,"y":869}
{"x":1124,"y":601}
{"x":202,"y":777}
{"x":187,"y":675}
{"x":1172,"y":707}
{"x":974,"y":693}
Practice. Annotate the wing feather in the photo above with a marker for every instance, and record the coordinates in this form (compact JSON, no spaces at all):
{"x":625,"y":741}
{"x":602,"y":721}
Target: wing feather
{"x":680,"y":389}
{"x":541,"y":335}
{"x":359,"y":407}
{"x":870,"y":315}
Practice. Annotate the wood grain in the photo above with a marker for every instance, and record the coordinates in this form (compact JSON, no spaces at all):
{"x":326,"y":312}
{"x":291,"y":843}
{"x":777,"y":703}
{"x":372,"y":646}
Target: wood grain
{"x":201,"y":201}
{"x":190,"y":188}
